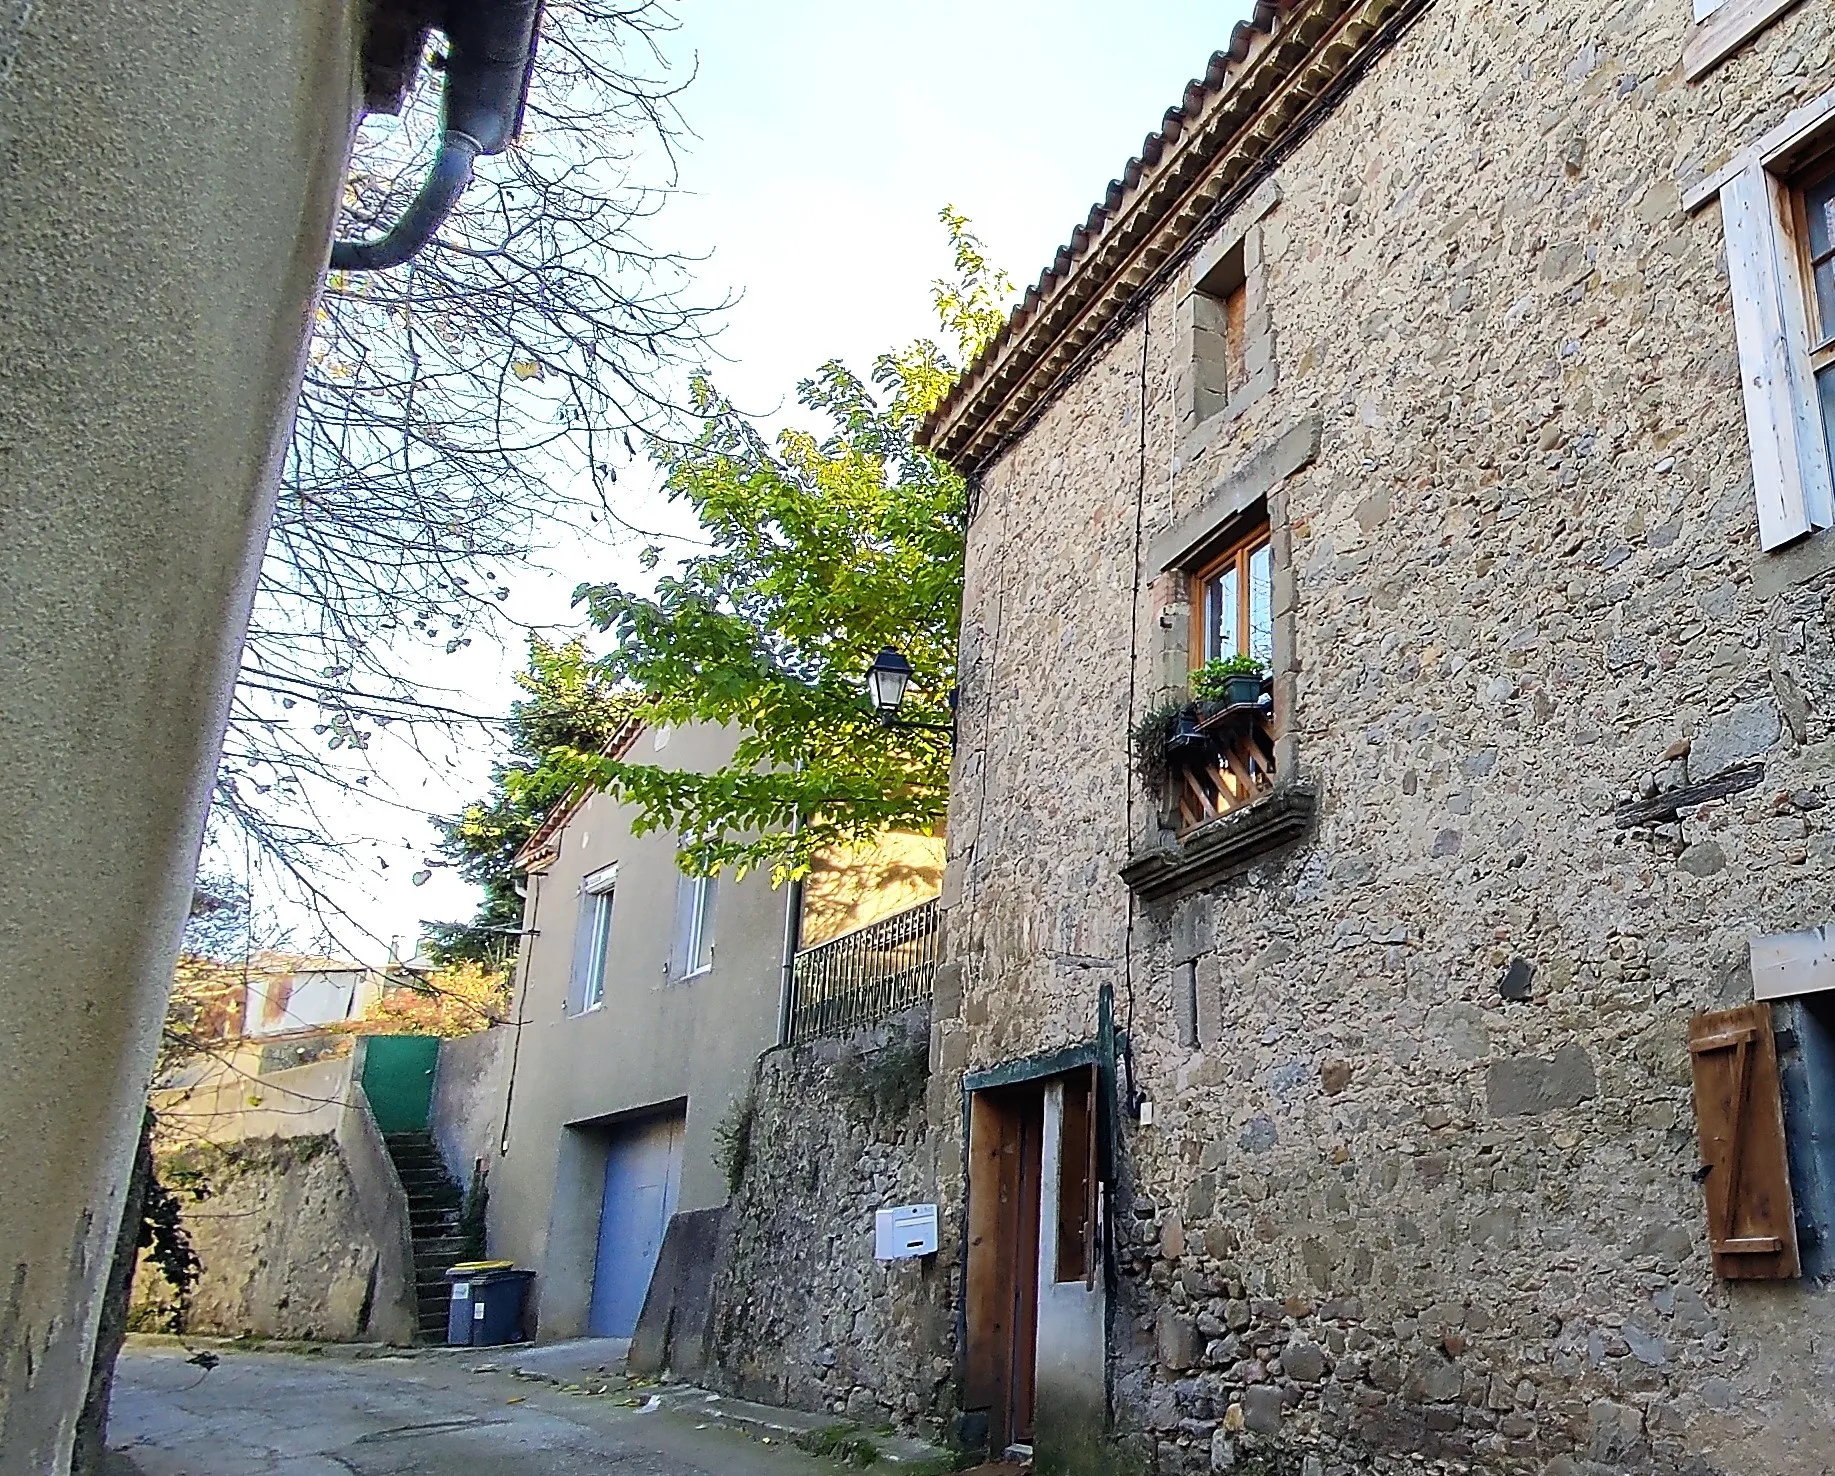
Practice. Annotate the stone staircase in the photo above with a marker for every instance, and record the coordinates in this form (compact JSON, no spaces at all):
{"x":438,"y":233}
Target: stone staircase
{"x":433,"y":1223}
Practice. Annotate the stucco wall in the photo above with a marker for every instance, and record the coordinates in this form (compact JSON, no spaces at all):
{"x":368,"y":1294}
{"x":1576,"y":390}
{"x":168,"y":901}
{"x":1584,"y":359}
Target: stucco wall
{"x":851,"y":886}
{"x":1383,"y":1212}
{"x":653,"y":1041}
{"x":285,"y":1246}
{"x":803,"y":1314}
{"x":168,"y":175}
{"x":230,"y":1103}
{"x":468,"y":1087}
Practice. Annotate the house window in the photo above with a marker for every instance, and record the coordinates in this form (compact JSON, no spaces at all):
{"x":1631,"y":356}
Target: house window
{"x":1227,"y":355}
{"x":1232,"y":602}
{"x":694,"y":926}
{"x":1816,"y":210}
{"x":1221,"y":752}
{"x":1722,"y":28}
{"x":1777,"y":207}
{"x":592,"y":940}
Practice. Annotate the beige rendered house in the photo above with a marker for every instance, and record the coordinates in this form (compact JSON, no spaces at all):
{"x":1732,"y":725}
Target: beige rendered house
{"x":645,"y":998}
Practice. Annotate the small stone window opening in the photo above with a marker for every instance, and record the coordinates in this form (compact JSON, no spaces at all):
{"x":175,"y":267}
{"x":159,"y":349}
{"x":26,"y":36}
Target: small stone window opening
{"x":1220,"y":333}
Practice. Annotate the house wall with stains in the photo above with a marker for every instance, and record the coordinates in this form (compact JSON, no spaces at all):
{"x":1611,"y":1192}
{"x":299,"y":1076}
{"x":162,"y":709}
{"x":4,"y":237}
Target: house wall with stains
{"x":1419,"y":1184}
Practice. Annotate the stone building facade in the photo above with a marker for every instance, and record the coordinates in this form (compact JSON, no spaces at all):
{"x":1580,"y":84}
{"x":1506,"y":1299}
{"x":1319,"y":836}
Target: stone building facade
{"x":802,"y":1312}
{"x":1400,"y":1163}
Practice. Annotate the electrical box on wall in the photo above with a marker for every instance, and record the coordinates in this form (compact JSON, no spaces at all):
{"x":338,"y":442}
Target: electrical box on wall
{"x":905,"y":1230}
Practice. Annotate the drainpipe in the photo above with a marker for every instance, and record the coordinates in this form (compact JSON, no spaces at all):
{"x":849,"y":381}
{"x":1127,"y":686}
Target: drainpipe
{"x":491,"y":49}
{"x":531,"y":895}
{"x":793,"y":940}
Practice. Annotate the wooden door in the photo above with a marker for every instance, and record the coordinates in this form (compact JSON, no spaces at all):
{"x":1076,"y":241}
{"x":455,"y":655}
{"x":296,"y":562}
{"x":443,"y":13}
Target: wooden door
{"x":1006,"y":1131}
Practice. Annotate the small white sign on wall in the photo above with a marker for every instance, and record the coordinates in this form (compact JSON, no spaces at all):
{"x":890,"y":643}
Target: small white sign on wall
{"x":905,"y":1230}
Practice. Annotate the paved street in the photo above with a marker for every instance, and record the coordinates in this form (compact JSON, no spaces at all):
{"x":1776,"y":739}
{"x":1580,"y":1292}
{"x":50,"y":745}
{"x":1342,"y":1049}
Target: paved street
{"x":283,"y":1414}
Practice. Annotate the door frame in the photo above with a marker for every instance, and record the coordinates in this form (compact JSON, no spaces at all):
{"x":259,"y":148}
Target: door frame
{"x":1035,"y":1072}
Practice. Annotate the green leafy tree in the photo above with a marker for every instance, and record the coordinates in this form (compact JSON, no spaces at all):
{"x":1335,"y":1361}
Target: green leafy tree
{"x":824,"y":549}
{"x":570,"y":707}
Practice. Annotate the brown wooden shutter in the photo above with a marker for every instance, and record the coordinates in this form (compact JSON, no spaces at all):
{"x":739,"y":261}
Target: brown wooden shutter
{"x":1739,"y":1114}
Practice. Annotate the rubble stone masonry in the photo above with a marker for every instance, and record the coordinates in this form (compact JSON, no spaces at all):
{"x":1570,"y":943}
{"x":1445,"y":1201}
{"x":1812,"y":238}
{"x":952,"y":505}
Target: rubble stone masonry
{"x":803,"y":1314}
{"x":1420,"y":1194}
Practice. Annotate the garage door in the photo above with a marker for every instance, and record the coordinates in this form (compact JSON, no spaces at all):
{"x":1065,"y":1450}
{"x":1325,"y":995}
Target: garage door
{"x":643,"y":1172}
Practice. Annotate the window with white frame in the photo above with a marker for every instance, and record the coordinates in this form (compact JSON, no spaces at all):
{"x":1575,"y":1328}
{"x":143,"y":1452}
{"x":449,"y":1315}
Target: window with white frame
{"x":1777,"y":206}
{"x":592,"y":940}
{"x":694,"y":926}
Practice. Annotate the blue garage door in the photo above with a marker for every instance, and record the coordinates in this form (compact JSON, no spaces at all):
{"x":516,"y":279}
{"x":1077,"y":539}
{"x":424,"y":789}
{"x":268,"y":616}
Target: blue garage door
{"x":643,"y":1172}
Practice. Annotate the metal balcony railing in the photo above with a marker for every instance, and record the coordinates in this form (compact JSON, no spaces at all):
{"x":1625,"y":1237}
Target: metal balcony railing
{"x":865,"y":975}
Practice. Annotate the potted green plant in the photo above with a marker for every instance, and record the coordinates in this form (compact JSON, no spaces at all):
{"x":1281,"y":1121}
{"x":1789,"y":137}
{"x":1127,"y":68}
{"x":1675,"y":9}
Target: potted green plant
{"x":1164,"y":733}
{"x":1232,"y":681}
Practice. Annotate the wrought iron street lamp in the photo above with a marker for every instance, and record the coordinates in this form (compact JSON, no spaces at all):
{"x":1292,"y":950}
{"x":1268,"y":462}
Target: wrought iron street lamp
{"x":888,"y":678}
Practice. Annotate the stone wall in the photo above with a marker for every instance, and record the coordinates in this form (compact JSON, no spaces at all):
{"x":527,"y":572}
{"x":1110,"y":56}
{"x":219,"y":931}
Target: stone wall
{"x":802,"y":1313}
{"x":285,"y":1246}
{"x":1419,"y":1184}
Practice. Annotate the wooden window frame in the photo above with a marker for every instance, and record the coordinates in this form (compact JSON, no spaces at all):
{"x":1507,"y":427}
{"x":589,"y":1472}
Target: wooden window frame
{"x":1237,"y":554}
{"x":1818,"y":169}
{"x":1722,"y":27}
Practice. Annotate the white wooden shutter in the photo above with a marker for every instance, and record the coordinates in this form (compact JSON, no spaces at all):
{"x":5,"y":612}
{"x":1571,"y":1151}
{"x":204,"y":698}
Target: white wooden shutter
{"x":582,"y":951}
{"x":1790,"y":466}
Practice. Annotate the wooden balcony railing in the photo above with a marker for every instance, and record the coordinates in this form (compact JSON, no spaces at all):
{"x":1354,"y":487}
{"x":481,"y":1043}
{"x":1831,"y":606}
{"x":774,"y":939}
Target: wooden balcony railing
{"x":1224,"y":763}
{"x":865,"y":975}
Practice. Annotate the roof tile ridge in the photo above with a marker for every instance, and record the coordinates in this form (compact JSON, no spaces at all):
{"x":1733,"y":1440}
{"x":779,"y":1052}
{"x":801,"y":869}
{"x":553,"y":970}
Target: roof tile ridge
{"x":1200,"y":94}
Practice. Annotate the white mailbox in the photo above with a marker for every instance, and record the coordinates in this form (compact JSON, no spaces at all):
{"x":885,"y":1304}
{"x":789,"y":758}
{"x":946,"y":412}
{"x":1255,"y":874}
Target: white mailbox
{"x":905,"y":1230}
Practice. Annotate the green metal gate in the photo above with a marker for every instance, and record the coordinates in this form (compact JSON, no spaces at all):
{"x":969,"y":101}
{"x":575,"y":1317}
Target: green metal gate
{"x":398,"y":1080}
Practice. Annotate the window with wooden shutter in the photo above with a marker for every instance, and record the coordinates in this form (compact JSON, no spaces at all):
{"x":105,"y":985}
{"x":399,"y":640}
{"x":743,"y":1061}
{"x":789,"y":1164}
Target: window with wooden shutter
{"x":1777,"y":211}
{"x":1739,"y":1116}
{"x":1790,"y":464}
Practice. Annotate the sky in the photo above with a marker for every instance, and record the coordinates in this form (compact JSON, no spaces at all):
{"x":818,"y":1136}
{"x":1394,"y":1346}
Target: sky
{"x":827,"y":136}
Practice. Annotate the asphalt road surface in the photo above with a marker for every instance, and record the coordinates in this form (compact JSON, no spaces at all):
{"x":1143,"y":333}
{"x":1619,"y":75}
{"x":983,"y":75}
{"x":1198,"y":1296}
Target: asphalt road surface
{"x":286,"y":1414}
